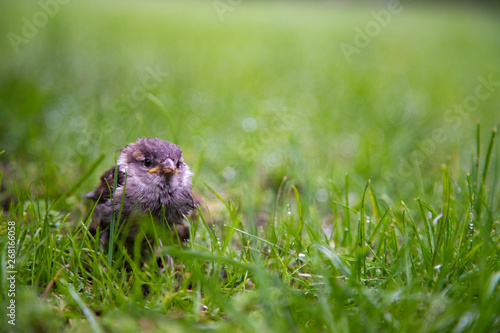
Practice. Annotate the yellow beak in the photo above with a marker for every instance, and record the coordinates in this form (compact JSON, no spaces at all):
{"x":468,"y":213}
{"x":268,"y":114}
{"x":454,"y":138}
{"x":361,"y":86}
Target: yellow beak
{"x":160,"y":169}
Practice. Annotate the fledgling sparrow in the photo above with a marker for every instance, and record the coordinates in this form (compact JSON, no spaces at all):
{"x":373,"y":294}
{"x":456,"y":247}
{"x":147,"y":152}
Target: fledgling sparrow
{"x":157,"y":183}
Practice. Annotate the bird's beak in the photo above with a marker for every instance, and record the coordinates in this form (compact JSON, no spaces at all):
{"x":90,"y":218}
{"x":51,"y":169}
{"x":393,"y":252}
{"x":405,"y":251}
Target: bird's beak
{"x":167,"y":167}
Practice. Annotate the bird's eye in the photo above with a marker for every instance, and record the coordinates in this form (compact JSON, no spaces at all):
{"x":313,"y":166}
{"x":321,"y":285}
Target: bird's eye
{"x":147,"y":162}
{"x":178,"y":164}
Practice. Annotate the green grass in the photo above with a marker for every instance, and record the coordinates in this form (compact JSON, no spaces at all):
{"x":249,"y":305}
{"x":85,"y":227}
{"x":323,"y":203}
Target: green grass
{"x":344,"y":195}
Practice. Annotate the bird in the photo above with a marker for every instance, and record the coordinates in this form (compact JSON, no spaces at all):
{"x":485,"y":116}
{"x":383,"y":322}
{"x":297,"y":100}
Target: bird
{"x":152,"y":181}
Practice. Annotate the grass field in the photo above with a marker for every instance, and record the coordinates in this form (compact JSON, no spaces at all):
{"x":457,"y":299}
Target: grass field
{"x":346,"y":155}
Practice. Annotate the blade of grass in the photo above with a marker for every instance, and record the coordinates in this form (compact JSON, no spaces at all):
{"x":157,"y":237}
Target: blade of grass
{"x":361,"y":253}
{"x":427,"y":224}
{"x":444,"y":220}
{"x":86,"y":311}
{"x":232,"y":215}
{"x":340,"y":266}
{"x":347,"y":215}
{"x":406,"y":248}
{"x":299,"y":208}
{"x":383,"y":265}
{"x":488,"y":156}
{"x":213,"y":237}
{"x":375,"y":206}
{"x":276,"y":202}
{"x":425,"y":252}
{"x":379,"y":225}
{"x":111,"y":240}
{"x":260,"y":240}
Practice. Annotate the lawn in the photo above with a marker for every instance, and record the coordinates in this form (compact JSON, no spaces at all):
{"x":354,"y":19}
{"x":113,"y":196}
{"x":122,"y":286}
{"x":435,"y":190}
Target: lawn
{"x":345,"y":155}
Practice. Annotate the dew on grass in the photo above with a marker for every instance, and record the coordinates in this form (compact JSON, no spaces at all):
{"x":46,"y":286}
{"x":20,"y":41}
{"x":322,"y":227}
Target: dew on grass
{"x":346,"y":229}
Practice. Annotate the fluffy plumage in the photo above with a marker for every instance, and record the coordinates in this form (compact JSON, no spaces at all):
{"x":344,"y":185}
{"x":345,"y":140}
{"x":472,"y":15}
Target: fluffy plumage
{"x":156,"y":181}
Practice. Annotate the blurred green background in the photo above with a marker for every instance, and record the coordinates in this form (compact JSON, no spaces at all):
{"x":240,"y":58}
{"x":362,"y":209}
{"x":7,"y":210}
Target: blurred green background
{"x":252,"y":91}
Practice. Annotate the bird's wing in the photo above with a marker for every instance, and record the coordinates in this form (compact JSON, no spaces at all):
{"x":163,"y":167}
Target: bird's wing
{"x":104,"y":189}
{"x":195,"y":200}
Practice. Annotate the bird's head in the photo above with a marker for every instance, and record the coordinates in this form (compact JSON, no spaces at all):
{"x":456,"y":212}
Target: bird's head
{"x":154,"y":162}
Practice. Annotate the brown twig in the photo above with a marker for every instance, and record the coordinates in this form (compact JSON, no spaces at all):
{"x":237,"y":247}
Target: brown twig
{"x":51,"y":283}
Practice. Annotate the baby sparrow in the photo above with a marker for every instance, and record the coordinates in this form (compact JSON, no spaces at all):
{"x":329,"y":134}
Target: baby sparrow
{"x":156,"y":182}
